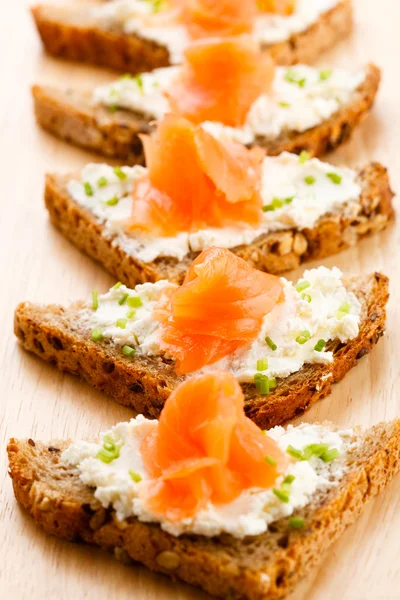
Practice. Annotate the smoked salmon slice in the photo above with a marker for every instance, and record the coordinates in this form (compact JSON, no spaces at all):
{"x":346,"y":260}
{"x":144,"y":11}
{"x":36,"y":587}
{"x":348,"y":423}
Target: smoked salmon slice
{"x":205,"y":449}
{"x":220,"y":79}
{"x":279,"y":7}
{"x":214,"y":18}
{"x":195,"y":181}
{"x":218,"y":309}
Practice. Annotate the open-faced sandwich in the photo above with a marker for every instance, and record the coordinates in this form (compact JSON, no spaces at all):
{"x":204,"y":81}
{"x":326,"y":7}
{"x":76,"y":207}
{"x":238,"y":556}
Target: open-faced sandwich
{"x":135,"y":36}
{"x":228,"y":87}
{"x":203,"y":495}
{"x":198,"y":191}
{"x":286,"y":343}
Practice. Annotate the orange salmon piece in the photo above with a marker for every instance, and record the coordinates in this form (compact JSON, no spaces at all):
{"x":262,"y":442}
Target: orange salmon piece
{"x":194,"y":181}
{"x":217,"y":18}
{"x":220,"y":79}
{"x":279,"y":7}
{"x":205,"y":449}
{"x":218,"y":309}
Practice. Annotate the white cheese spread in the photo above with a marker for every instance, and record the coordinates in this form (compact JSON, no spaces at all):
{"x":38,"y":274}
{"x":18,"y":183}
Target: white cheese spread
{"x":295,"y":194}
{"x":318,"y":307}
{"x":249,"y":514}
{"x":140,"y":18}
{"x":301,"y":97}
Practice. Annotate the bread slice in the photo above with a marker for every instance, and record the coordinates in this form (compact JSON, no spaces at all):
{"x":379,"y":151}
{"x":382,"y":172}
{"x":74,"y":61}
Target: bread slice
{"x":71,"y":116}
{"x":266,"y":566}
{"x":58,"y":335}
{"x":274,"y":252}
{"x":72,"y":32}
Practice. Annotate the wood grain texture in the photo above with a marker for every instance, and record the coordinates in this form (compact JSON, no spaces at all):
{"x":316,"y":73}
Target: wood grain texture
{"x":39,"y":265}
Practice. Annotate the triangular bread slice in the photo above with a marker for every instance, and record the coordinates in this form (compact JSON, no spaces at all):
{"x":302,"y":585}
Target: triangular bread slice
{"x":72,"y":32}
{"x":274,"y":252}
{"x":72,"y":116}
{"x":59,"y":335}
{"x":255,"y":568}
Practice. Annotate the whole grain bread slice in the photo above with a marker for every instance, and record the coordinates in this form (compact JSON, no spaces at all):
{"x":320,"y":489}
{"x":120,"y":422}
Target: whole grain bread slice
{"x":72,"y":116}
{"x":266,"y":566}
{"x":73,"y":33}
{"x":60,"y":335}
{"x":274,"y":252}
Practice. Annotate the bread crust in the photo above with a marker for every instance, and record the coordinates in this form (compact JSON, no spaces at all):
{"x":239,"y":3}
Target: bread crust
{"x":71,"y":116}
{"x":73,"y":34}
{"x":275,"y":252}
{"x":57,"y":334}
{"x":259,"y":568}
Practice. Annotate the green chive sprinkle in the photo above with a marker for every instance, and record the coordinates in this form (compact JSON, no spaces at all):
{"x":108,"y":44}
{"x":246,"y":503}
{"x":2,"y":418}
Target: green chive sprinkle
{"x":270,"y":461}
{"x":282,"y":495}
{"x":102,"y":182}
{"x":112,"y":201}
{"x":284,"y":104}
{"x":136,"y":477}
{"x":271,"y":343}
{"x":294,"y":453}
{"x":304,"y":157}
{"x":262,"y":364}
{"x":128,"y":351}
{"x":123,"y":299}
{"x":88,"y":189}
{"x":135,"y":302}
{"x":109,"y":451}
{"x":121,"y":323}
{"x":272,"y":383}
{"x":139,"y":82}
{"x":126,"y":76}
{"x":292,"y":76}
{"x":334,"y":177}
{"x":113,"y":108}
{"x":289,"y":200}
{"x":344,"y":310}
{"x":289,"y":479}
{"x":315,"y":450}
{"x":309,"y":180}
{"x":330,"y":455}
{"x":120,"y":173}
{"x":116,"y":286}
{"x":131,"y":314}
{"x":95,"y":299}
{"x":106,"y":456}
{"x":263,"y":387}
{"x":296,"y":522}
{"x":325,"y":74}
{"x":302,"y":286}
{"x":97,"y":334}
{"x":306,"y":297}
{"x":303,"y":337}
{"x":320,"y":345}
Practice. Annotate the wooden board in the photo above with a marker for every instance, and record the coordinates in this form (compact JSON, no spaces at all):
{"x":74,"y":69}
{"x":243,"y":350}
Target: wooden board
{"x":38,"y":264}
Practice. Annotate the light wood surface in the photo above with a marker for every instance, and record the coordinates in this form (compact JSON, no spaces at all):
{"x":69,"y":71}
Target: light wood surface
{"x":38,"y":264}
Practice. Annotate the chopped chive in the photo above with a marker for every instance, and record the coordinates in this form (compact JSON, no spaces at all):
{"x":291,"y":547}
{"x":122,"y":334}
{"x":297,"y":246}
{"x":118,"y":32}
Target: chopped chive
{"x":325,"y":74}
{"x":289,"y":479}
{"x":291,"y":76}
{"x":271,"y":343}
{"x":109,"y":451}
{"x":343,"y":310}
{"x":106,"y":456}
{"x":334,"y":177}
{"x":289,"y":200}
{"x":304,"y":156}
{"x":126,"y":76}
{"x":314,"y":450}
{"x":282,"y":495}
{"x":306,"y":297}
{"x":303,"y":337}
{"x":128,"y":351}
{"x":120,"y":173}
{"x":296,"y":522}
{"x":112,"y":201}
{"x":136,"y":477}
{"x":88,"y":188}
{"x":268,"y":208}
{"x":294,"y":453}
{"x":320,"y":345}
{"x":309,"y":180}
{"x":272,"y":383}
{"x":330,"y":455}
{"x":131,"y":314}
{"x":270,"y":461}
{"x":95,"y":299}
{"x":102,"y":182}
{"x":263,"y":387}
{"x":262,"y":364}
{"x":116,"y":286}
{"x":277,"y":203}
{"x":123,"y":299}
{"x":135,"y":302}
{"x":113,"y":108}
{"x":97,"y":334}
{"x":121,"y":323}
{"x":284,"y":104}
{"x":302,"y":286}
{"x":139,"y":82}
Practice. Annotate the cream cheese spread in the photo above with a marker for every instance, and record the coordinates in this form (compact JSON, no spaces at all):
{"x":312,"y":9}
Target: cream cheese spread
{"x":301,"y":97}
{"x":295,"y":192}
{"x":118,"y":483}
{"x":317,"y":309}
{"x":140,"y":18}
